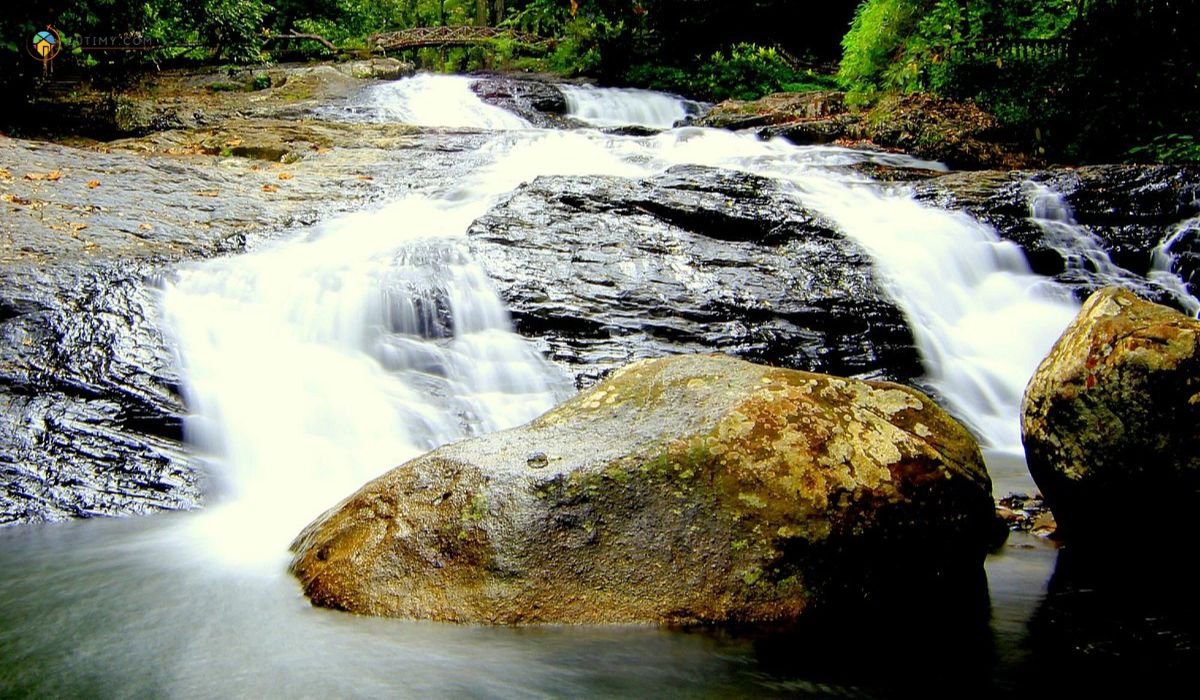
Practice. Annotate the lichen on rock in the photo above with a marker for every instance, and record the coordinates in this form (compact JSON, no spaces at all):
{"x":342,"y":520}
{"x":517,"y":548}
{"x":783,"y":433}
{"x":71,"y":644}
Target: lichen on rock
{"x":694,"y":488}
{"x":1109,"y":419}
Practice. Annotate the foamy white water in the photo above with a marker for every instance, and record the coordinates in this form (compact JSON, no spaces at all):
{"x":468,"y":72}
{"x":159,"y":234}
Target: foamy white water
{"x":439,"y":100}
{"x":625,"y":106}
{"x":1164,"y":266}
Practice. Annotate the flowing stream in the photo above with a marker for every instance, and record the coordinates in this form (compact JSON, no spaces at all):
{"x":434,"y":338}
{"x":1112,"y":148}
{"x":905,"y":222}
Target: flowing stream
{"x":318,"y":363}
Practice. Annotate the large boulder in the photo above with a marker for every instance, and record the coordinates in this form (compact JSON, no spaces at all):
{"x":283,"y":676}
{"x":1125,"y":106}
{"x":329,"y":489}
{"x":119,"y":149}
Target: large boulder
{"x":601,"y":271}
{"x":1109,"y":419}
{"x":690,"y":488}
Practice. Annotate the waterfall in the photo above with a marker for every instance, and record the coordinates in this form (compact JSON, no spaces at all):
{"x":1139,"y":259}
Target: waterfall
{"x":326,"y":360}
{"x":625,"y":107}
{"x":1164,"y":265}
{"x":316,"y":363}
{"x":1086,"y":258}
{"x":1081,"y":250}
{"x":437,"y":101}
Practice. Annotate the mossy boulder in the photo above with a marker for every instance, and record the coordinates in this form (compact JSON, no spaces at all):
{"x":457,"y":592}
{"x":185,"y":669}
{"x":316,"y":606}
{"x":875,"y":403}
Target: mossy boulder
{"x":1110,"y":420}
{"x":695,"y":488}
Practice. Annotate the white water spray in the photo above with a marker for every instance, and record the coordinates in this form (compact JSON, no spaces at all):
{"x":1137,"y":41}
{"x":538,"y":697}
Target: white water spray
{"x":439,"y":101}
{"x":1164,"y":266}
{"x":625,"y":106}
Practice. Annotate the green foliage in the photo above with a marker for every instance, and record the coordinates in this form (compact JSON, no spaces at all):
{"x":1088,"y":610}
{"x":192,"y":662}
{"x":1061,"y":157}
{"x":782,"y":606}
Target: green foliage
{"x":664,"y":78}
{"x":1115,"y":73}
{"x":910,"y":45}
{"x":1167,"y":148}
{"x":875,"y":42}
{"x":745,"y":72}
{"x":233,"y":27}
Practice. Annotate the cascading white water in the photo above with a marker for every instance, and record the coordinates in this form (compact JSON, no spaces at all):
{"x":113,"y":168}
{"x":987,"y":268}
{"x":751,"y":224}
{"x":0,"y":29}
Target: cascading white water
{"x":982,"y":320}
{"x":324,"y":362}
{"x":1083,"y":251}
{"x":1080,"y":248}
{"x":1164,"y":266}
{"x":625,"y":106}
{"x":317,"y":365}
{"x":438,"y":101}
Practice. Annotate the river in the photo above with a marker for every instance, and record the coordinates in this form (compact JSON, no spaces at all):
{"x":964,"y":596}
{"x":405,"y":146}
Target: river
{"x":315,"y":364}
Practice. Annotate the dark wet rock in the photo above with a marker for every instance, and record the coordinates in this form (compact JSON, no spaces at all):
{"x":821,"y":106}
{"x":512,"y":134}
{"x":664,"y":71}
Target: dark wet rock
{"x":90,"y":412}
{"x":1130,"y":209}
{"x":604,"y":270}
{"x":1110,"y":418}
{"x":695,"y":488}
{"x":1024,"y":513}
{"x":539,"y":102}
{"x":631,"y":130}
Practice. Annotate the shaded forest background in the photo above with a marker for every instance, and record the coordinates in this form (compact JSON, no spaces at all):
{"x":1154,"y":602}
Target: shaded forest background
{"x":1079,"y":80}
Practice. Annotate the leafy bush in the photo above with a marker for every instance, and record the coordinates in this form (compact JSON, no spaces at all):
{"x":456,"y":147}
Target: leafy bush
{"x":875,"y":43}
{"x":1167,"y":148}
{"x":233,"y":27}
{"x":745,"y":72}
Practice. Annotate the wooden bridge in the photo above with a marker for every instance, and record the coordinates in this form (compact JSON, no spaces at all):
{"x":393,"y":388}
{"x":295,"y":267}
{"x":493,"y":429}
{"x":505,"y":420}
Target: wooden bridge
{"x":422,"y":37}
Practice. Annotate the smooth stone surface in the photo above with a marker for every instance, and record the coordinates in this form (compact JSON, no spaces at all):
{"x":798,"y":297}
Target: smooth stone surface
{"x":605,"y":270}
{"x":696,"y":488}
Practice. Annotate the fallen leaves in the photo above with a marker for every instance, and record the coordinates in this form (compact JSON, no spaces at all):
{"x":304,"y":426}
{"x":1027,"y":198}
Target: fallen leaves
{"x":14,"y":199}
{"x":5,"y":174}
{"x":270,"y":188}
{"x":52,"y":176}
{"x":93,"y":184}
{"x":208,"y":193}
{"x":285,"y":176}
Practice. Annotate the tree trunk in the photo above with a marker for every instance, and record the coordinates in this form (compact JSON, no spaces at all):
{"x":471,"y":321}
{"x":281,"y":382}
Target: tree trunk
{"x":498,"y":9}
{"x":481,"y":13}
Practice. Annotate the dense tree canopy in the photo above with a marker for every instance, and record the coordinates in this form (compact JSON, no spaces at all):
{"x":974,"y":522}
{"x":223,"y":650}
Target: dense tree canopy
{"x":1084,"y":78}
{"x":1095,"y":79}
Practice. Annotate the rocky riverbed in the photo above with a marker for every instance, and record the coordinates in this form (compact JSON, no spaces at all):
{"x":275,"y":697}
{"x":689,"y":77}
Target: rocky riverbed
{"x":215,"y":165}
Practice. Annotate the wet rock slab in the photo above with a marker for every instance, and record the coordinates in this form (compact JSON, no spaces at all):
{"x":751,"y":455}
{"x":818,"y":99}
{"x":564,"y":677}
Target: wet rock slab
{"x":603,"y":270}
{"x":90,"y":411}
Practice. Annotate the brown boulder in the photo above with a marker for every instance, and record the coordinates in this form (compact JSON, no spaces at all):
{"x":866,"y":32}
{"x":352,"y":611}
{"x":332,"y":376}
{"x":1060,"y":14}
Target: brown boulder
{"x":1109,"y":420}
{"x":684,"y":489}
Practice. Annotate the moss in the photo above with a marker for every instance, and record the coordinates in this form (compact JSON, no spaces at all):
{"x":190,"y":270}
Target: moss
{"x":222,"y":86}
{"x":476,"y":510}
